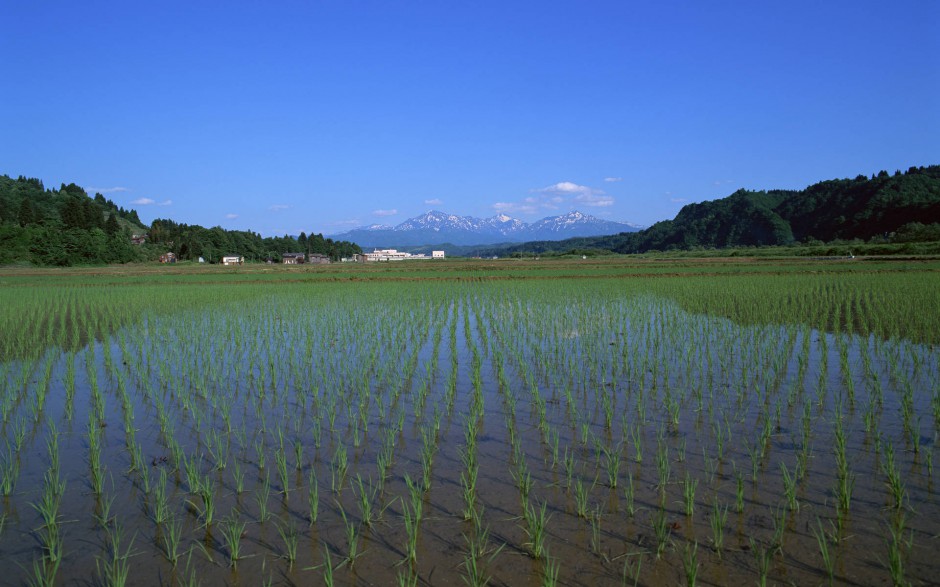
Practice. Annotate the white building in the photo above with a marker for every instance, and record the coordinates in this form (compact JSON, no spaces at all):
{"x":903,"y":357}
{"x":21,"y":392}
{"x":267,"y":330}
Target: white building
{"x":396,"y":255}
{"x":233,"y":260}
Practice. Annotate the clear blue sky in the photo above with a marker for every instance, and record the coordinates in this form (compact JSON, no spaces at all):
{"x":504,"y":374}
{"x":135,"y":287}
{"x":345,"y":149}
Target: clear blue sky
{"x":320,"y":116}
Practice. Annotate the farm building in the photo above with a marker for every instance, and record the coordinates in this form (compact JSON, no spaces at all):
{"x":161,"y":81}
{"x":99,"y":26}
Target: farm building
{"x":293,"y":258}
{"x":396,"y":255}
{"x":318,"y":259}
{"x":233,"y":260}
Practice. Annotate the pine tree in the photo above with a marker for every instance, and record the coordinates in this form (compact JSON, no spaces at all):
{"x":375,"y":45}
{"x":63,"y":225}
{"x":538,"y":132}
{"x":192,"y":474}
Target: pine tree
{"x":111,"y":227}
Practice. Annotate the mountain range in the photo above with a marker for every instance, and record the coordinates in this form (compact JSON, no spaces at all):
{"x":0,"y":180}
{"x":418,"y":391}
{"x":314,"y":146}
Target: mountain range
{"x":435,"y":228}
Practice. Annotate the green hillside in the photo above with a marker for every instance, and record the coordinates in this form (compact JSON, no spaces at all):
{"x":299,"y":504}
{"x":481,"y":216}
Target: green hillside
{"x":66,"y":226}
{"x":63,"y":226}
{"x":882,"y":207}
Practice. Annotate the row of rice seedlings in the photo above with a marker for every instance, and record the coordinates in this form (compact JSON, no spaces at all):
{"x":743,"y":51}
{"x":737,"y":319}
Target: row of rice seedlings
{"x":766,"y":431}
{"x":652,"y":397}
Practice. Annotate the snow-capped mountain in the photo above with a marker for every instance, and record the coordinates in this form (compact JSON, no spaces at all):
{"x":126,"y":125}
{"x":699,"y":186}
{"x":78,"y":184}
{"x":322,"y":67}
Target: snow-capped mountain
{"x":504,"y":224}
{"x":434,"y":220}
{"x":436,"y":227}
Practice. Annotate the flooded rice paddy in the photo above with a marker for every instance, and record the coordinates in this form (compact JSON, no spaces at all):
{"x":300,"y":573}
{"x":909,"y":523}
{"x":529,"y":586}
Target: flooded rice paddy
{"x":585,"y":433}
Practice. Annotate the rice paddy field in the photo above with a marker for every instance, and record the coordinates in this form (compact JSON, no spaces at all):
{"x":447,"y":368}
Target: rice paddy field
{"x":521,"y":423}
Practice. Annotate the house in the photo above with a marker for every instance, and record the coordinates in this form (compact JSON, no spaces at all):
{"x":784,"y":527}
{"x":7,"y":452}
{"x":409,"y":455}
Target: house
{"x":293,"y":258}
{"x":233,"y":260}
{"x":138,"y":239}
{"x":168,"y":258}
{"x":437,"y":254}
{"x":318,"y":259}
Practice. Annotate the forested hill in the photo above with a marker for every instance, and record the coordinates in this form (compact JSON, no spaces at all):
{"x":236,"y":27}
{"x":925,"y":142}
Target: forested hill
{"x":62,"y":226}
{"x":842,"y":209}
{"x":191,"y":241}
{"x":67,"y":227}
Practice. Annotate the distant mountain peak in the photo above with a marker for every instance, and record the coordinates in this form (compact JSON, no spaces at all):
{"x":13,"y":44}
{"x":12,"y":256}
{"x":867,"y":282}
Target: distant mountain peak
{"x":436,"y":227}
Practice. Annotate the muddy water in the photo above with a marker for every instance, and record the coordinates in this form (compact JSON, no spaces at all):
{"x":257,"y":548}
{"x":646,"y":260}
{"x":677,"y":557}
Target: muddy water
{"x":695,"y":395}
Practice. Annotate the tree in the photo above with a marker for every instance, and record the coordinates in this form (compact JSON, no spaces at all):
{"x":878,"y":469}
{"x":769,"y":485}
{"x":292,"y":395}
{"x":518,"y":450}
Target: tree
{"x":27,"y":214}
{"x":111,"y":227}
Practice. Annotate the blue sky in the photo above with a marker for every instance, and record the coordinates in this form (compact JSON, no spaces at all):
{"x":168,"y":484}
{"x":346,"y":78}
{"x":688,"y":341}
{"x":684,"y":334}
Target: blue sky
{"x":320,"y":116}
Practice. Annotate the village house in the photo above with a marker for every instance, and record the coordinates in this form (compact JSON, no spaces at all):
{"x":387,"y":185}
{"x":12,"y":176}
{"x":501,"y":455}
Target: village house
{"x":138,"y":239}
{"x":293,"y":258}
{"x":233,"y":260}
{"x":318,"y":259}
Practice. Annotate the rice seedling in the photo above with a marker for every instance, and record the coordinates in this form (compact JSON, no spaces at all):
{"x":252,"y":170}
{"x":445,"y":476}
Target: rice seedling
{"x":717,"y":522}
{"x":207,"y":496}
{"x":115,"y":568}
{"x":629,"y":571}
{"x":290,"y":536}
{"x":327,"y":567}
{"x":629,"y":494}
{"x":218,"y":449}
{"x":50,"y":534}
{"x":339,"y":467}
{"x":193,"y":476}
{"x":569,"y":467}
{"x":551,"y":570}
{"x":738,"y":491}
{"x":688,"y":492}
{"x":896,"y":551}
{"x":161,"y":508}
{"x":103,"y":505}
{"x":352,"y":539}
{"x":43,"y":573}
{"x":581,"y":499}
{"x":238,"y":477}
{"x":262,"y":495}
{"x":280,"y":465}
{"x":171,"y":538}
{"x":823,"y":542}
{"x":637,"y":436}
{"x":9,"y":472}
{"x":661,"y":531}
{"x":663,"y":466}
{"x":479,"y":557}
{"x":468,"y":481}
{"x":612,"y":462}
{"x":365,"y":497}
{"x":763,"y":556}
{"x":594,"y":519}
{"x":789,"y":488}
{"x":232,"y":529}
{"x":406,"y":578}
{"x":313,"y":498}
{"x":779,"y":519}
{"x":536,"y":521}
{"x":690,"y":564}
{"x":896,"y":487}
